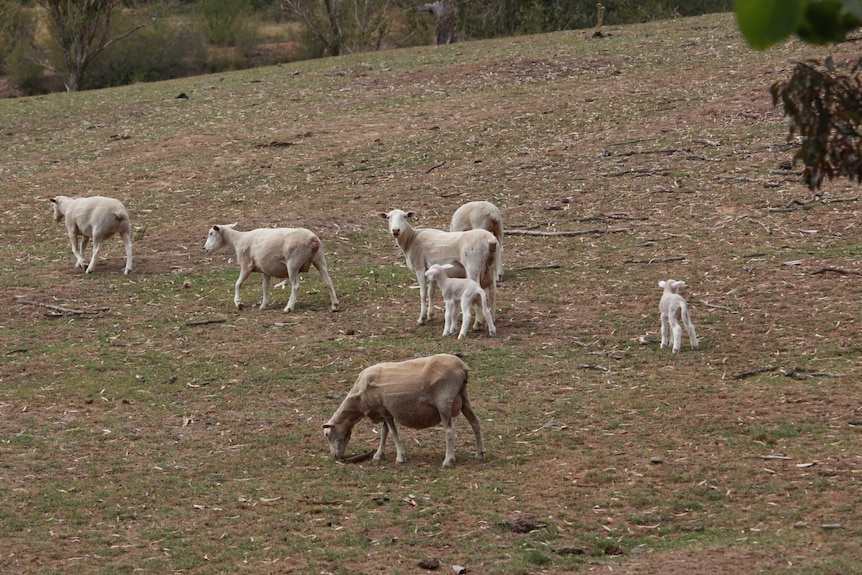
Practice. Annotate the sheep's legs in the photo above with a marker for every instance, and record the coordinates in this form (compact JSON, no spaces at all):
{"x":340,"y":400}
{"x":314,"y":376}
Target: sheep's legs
{"x":446,"y":419}
{"x":451,"y":315}
{"x":423,"y":292}
{"x":389,"y":424}
{"x":664,"y":330}
{"x":320,"y":263}
{"x":264,"y":288}
{"x":243,"y":274}
{"x":689,"y":327}
{"x":471,"y":418}
{"x":76,"y":250}
{"x":293,"y":278}
{"x":467,"y":316}
{"x":97,"y":245}
{"x":489,"y":317}
{"x":127,"y":241}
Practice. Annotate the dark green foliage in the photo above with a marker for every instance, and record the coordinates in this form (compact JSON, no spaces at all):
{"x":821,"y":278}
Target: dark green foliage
{"x":767,"y":22}
{"x":160,"y":52}
{"x":824,"y":105}
{"x":226,"y":21}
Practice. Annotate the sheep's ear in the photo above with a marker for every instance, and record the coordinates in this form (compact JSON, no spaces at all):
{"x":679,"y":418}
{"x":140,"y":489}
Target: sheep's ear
{"x":410,"y":214}
{"x":447,"y":266}
{"x":328,"y":425}
{"x":662,"y":283}
{"x":383,"y":215}
{"x":215,"y":228}
{"x":233,"y":225}
{"x":53,"y":200}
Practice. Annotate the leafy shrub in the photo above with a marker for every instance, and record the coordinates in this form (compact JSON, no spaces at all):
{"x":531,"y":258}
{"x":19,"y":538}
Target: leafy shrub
{"x":167,"y":49}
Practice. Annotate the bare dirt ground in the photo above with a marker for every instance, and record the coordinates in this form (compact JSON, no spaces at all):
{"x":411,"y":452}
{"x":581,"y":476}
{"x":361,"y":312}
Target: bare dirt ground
{"x":655,"y":146}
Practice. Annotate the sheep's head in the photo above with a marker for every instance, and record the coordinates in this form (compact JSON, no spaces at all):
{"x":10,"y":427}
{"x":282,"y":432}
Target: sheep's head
{"x":671,"y":286}
{"x":55,"y":206}
{"x":436,"y":270}
{"x":338,"y":437}
{"x":215,"y":239}
{"x":396,"y":220}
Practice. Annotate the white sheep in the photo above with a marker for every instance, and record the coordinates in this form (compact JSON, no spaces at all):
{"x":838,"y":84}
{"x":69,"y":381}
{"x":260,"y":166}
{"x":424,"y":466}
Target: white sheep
{"x":481,"y":216}
{"x":471,"y":253}
{"x":96,"y":218}
{"x":671,"y":306}
{"x":274,"y":252}
{"x":417,"y":393}
{"x":465,"y":291}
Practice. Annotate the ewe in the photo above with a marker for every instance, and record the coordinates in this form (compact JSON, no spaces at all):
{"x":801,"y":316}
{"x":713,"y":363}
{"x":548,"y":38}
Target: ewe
{"x":418,"y":393}
{"x":274,"y":252}
{"x":465,"y":291}
{"x":471,"y":253}
{"x":671,"y":306}
{"x":96,"y":218}
{"x":481,"y":216}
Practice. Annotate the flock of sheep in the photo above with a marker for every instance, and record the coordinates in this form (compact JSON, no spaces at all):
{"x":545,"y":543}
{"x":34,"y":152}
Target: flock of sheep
{"x":465,"y":261}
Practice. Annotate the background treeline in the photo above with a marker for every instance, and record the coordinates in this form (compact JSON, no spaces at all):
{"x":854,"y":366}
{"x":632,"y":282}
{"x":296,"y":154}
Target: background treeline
{"x":53,"y":45}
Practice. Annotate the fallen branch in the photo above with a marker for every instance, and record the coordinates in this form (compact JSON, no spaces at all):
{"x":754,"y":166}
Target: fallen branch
{"x":571,"y":233}
{"x":656,"y":260}
{"x":836,"y":271}
{"x":637,"y":172}
{"x":744,"y":374}
{"x":716,"y":306}
{"x":545,"y":267}
{"x":800,"y":373}
{"x":192,"y":323}
{"x":65,"y":310}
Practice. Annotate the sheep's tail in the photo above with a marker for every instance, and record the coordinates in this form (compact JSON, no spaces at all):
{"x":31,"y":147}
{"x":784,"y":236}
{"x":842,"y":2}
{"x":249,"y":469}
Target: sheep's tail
{"x":314,"y":244}
{"x":492,"y":246}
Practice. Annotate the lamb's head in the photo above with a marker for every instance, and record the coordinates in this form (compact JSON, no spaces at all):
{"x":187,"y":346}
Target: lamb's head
{"x":671,"y":286}
{"x":437,"y":270}
{"x":397,"y":220}
{"x":215,"y":239}
{"x":338,"y":436}
{"x":55,"y":206}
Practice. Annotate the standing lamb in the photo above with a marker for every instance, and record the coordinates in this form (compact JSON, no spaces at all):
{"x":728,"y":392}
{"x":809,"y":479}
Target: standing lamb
{"x":418,"y":393}
{"x":465,"y":291}
{"x":274,"y":252}
{"x":671,"y":306}
{"x":96,"y":218}
{"x":481,"y":216}
{"x":471,"y":253}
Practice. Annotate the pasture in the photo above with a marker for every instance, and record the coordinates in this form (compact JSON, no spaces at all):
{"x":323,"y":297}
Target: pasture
{"x":147,"y":426}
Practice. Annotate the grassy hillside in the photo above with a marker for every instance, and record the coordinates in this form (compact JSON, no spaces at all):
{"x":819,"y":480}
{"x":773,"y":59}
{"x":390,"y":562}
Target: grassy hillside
{"x":139,"y":437}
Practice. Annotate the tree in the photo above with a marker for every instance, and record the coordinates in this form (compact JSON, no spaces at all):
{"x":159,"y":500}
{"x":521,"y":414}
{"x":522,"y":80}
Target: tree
{"x":344,"y":26}
{"x":822,"y":101}
{"x":82,"y":30}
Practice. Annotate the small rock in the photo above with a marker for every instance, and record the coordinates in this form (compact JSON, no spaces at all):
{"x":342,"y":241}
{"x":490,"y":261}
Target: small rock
{"x":459,"y":570}
{"x":430,"y":564}
{"x":656,"y":460}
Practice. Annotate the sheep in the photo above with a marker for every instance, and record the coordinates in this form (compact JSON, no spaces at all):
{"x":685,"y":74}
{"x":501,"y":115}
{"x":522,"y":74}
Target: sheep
{"x":672,"y":304}
{"x":467,"y":292}
{"x":471,"y":253}
{"x":96,"y":218}
{"x":274,"y":252}
{"x":417,"y":393}
{"x":482,"y":216}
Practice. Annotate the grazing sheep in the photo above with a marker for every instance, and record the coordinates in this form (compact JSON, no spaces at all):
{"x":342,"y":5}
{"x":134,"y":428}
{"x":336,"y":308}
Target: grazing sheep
{"x":671,"y":306}
{"x":471,"y":253}
{"x":468,"y":293}
{"x":418,"y":393}
{"x":481,"y":216}
{"x":96,"y":218}
{"x":274,"y":252}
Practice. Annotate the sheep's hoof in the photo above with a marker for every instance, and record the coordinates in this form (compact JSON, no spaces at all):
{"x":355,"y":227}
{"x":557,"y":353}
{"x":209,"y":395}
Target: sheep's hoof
{"x":334,"y":307}
{"x":449,"y":463}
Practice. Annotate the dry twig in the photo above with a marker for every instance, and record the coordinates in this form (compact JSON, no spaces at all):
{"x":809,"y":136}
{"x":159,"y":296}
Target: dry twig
{"x":569,"y":233}
{"x":65,"y":310}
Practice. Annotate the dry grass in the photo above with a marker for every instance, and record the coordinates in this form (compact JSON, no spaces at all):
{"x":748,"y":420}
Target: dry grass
{"x":133,"y":441}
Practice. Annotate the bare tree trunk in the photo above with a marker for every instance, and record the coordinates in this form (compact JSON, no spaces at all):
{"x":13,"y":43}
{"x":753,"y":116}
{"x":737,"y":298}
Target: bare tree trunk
{"x":446,"y":17}
{"x":336,"y":42}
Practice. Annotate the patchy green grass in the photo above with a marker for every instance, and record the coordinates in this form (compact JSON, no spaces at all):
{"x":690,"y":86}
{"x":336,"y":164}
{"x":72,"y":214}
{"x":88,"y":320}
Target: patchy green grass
{"x":153,"y":427}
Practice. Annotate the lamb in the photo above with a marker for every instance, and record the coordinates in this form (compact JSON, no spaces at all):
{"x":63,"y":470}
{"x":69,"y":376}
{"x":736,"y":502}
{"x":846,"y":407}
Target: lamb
{"x":96,"y":218}
{"x":274,"y":252}
{"x":467,"y":292}
{"x":471,"y":253}
{"x":672,"y":304}
{"x":481,"y":216}
{"x":418,"y":393}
